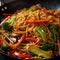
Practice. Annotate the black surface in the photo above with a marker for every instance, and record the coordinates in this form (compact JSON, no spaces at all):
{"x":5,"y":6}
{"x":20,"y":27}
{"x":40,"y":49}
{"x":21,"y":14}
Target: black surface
{"x":18,"y":4}
{"x":4,"y":56}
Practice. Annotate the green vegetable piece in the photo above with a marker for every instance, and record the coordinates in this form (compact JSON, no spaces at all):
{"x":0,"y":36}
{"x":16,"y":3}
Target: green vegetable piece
{"x":53,"y":29}
{"x":4,"y":46}
{"x":42,"y":33}
{"x":46,"y":46}
{"x":34,"y":10}
{"x":37,"y":51}
{"x":39,"y":59}
{"x":24,"y":9}
{"x":34,"y":49}
{"x":6,"y":26}
{"x":12,"y":20}
{"x":9,"y":25}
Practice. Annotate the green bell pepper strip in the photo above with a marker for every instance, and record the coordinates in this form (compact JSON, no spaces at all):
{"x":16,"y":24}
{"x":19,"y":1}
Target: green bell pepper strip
{"x":42,"y":33}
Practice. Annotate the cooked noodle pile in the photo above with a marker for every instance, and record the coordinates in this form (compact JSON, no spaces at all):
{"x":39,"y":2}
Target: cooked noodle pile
{"x":26,"y":34}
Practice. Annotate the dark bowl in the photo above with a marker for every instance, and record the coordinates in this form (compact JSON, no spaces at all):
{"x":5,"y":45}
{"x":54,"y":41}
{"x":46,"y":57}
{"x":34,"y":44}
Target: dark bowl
{"x":19,"y":4}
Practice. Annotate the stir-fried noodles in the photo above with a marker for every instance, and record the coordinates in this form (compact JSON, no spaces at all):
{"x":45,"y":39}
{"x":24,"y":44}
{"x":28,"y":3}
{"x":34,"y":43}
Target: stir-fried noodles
{"x":31,"y":33}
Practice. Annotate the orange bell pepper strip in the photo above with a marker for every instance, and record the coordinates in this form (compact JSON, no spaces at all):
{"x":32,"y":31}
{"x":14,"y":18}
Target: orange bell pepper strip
{"x":14,"y":46}
{"x":36,"y":21}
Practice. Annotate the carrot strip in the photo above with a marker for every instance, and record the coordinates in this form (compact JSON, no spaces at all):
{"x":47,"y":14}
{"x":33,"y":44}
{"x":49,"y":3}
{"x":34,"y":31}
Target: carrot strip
{"x":14,"y":46}
{"x":36,"y":21}
{"x":18,"y":43}
{"x":4,"y":40}
{"x":23,"y":38}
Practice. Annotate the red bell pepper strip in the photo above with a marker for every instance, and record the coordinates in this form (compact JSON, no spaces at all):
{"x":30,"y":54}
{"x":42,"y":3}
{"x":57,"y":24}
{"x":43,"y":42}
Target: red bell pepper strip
{"x":17,"y":28}
{"x":36,"y":21}
{"x":22,"y":55}
{"x":23,"y":38}
{"x":14,"y":46}
{"x":1,"y":41}
{"x":48,"y":11}
{"x":31,"y":39}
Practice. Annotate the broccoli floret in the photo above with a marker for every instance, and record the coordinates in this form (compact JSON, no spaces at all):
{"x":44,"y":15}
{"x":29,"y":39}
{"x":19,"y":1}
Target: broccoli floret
{"x":46,"y":46}
{"x":9,"y":25}
{"x":6,"y":26}
{"x":53,"y":29}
